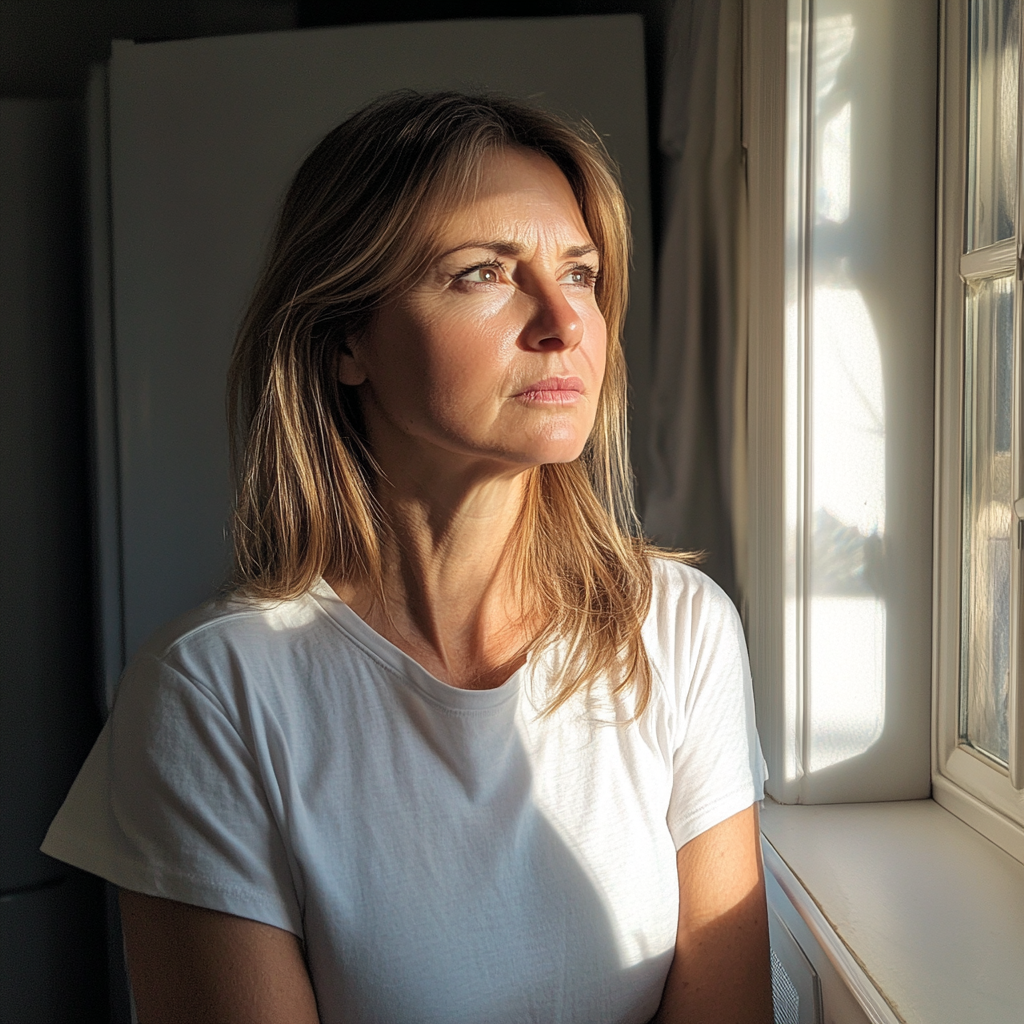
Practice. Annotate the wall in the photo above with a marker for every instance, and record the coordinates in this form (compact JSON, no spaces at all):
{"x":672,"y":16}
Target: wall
{"x":51,"y":941}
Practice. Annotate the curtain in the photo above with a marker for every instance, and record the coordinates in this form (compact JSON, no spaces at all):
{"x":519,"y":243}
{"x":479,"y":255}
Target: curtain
{"x":696,"y":497}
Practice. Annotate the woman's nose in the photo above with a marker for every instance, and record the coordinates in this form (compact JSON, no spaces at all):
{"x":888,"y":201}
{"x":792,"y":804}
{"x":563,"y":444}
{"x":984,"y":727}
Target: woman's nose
{"x":555,"y":324}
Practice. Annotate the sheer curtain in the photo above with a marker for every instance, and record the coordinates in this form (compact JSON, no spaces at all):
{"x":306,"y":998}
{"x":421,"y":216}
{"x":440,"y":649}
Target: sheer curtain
{"x":695,"y":496}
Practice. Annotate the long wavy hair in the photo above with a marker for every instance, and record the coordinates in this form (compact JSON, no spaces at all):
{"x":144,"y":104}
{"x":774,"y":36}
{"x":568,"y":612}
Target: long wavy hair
{"x":353,"y":232}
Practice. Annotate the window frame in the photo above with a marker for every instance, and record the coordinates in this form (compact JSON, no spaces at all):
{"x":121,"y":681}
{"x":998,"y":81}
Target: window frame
{"x":966,"y":782}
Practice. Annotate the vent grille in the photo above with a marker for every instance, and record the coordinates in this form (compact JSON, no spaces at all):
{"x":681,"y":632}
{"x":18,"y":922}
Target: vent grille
{"x":784,"y":994}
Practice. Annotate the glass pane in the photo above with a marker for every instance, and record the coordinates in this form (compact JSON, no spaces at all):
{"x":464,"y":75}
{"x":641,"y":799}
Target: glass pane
{"x":987,"y":517}
{"x":992,"y":131}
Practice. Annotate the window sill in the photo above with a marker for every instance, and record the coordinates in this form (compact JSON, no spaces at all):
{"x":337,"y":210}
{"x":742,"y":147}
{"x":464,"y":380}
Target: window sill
{"x":928,"y":911}
{"x":982,"y":797}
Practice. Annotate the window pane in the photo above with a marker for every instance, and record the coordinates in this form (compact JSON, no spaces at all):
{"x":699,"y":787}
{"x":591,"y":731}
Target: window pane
{"x":988,"y":520}
{"x":992,"y":131}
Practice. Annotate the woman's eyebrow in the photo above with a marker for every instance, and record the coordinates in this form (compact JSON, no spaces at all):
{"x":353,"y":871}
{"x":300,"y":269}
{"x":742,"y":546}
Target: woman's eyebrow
{"x":503,"y":247}
{"x":575,"y":251}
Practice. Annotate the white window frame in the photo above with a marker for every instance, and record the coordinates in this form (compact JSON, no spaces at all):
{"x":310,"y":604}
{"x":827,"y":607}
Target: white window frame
{"x":975,"y":788}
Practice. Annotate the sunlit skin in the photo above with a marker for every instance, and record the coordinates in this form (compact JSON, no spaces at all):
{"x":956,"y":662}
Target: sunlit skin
{"x":448,"y":372}
{"x":488,"y":366}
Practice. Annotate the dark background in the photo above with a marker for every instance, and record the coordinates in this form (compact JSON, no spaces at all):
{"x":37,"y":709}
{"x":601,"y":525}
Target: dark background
{"x":59,"y":946}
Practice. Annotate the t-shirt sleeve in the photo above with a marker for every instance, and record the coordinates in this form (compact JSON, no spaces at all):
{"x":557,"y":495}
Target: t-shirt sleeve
{"x":718,"y":769}
{"x":170,"y":803}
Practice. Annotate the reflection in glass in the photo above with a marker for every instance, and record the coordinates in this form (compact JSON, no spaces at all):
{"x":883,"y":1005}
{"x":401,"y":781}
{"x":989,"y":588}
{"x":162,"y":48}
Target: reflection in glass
{"x":987,"y":517}
{"x":994,"y":42}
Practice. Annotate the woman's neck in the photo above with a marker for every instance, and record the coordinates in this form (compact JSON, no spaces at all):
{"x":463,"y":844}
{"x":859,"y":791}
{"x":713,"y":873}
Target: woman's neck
{"x":450,"y":600}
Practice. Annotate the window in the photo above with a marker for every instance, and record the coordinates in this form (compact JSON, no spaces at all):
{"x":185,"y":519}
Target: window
{"x":979,"y":623}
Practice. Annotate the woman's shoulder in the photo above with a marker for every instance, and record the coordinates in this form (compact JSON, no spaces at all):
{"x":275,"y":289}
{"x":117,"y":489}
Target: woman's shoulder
{"x":228,"y":635}
{"x":235,"y":653}
{"x":225,"y":620}
{"x":679,"y":586}
{"x":691,"y":617}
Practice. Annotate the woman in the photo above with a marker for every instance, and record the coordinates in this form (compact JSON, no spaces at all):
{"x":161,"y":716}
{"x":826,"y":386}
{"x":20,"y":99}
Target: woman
{"x":458,"y":746}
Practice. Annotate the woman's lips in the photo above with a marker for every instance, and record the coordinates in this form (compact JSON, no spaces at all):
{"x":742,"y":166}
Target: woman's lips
{"x":553,"y":391}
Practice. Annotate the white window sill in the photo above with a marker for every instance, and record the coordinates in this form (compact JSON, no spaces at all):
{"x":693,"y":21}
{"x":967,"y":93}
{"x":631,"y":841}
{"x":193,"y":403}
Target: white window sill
{"x":931,"y":911}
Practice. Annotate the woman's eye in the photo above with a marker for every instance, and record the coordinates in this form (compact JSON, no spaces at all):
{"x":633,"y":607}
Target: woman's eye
{"x":481,"y":275}
{"x":581,"y":277}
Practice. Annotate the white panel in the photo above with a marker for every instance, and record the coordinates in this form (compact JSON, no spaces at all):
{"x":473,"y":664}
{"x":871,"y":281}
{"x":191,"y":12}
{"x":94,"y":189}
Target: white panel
{"x":205,"y":136}
{"x":840,"y":597}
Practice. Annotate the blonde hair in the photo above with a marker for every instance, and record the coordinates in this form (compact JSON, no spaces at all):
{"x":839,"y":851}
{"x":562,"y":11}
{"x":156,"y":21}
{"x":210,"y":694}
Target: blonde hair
{"x":353,"y":232}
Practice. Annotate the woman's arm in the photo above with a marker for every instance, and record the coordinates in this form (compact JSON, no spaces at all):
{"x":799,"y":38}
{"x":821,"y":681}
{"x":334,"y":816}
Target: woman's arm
{"x":721,"y":973}
{"x":188,"y":964}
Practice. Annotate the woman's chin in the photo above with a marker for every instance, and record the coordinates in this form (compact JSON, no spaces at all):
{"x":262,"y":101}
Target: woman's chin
{"x":555,"y":454}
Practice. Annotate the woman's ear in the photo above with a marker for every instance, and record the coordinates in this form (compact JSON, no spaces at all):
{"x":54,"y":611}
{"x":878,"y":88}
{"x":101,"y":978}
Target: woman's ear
{"x":347,"y":367}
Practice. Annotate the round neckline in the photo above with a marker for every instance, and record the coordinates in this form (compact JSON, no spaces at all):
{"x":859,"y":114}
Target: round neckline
{"x":406,"y":667}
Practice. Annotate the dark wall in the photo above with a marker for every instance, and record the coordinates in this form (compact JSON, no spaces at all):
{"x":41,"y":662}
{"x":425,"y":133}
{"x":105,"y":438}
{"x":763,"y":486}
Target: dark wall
{"x":46,"y":46}
{"x":52,"y":947}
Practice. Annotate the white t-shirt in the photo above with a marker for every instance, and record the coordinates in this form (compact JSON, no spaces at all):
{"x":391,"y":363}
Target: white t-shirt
{"x":445,"y":855}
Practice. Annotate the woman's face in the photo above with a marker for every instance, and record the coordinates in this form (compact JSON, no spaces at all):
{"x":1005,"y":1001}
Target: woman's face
{"x":498,"y":353}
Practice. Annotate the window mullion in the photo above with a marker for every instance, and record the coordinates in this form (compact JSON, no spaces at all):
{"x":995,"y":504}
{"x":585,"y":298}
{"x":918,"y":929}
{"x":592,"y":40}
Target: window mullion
{"x":1015,"y":760}
{"x":1015,"y":709}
